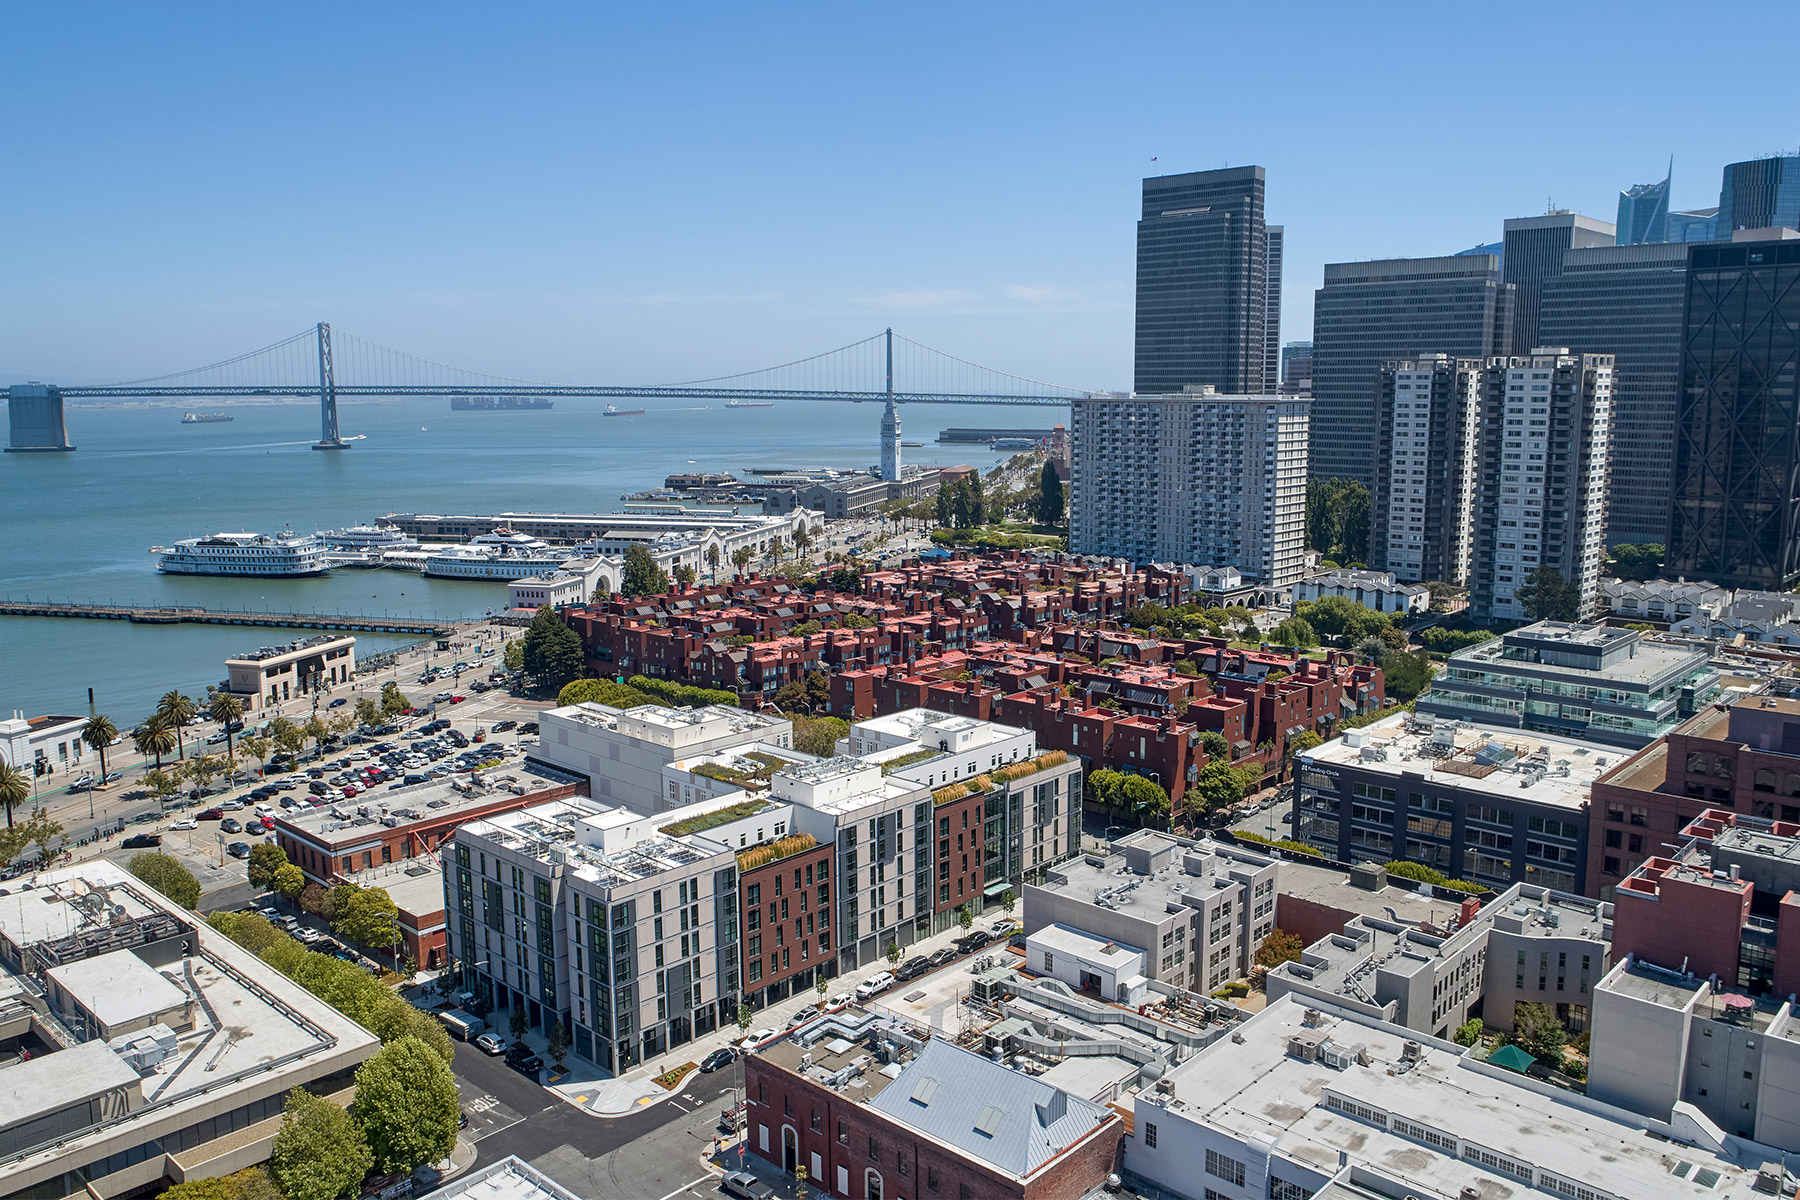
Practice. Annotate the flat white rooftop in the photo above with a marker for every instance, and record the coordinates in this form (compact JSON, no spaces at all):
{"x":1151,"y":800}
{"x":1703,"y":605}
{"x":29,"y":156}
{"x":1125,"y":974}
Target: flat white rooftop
{"x":50,"y":1082}
{"x":1255,"y":1090}
{"x":1398,"y":747}
{"x":508,"y":1179}
{"x":1077,"y":943}
{"x":118,"y":987}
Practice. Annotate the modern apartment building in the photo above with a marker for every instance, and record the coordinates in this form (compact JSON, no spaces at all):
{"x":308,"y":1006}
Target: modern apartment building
{"x":1192,"y":477}
{"x":1534,"y":255}
{"x":1627,"y":301}
{"x":622,"y":752}
{"x":1546,"y":461}
{"x":1584,"y":681}
{"x":1203,"y":260}
{"x":1427,"y":438}
{"x":1736,"y":473}
{"x":1369,"y":313}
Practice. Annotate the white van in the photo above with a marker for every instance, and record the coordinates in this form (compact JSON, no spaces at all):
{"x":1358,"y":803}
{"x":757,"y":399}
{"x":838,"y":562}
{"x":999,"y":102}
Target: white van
{"x":874,"y":985}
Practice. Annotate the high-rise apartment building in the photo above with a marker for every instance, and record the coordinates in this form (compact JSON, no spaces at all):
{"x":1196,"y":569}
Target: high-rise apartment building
{"x":1736,"y":518}
{"x":1369,"y":313}
{"x":1428,"y":433}
{"x":1192,"y":477}
{"x":1534,"y":256}
{"x":1763,"y":193}
{"x":1202,"y":283}
{"x":1296,"y":369}
{"x":1277,"y":236}
{"x":1627,"y":301}
{"x":1644,"y":212}
{"x":1546,"y":445}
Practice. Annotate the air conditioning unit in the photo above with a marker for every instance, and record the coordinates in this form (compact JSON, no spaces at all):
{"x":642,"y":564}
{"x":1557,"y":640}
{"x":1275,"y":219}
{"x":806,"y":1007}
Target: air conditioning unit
{"x":1165,"y":1087}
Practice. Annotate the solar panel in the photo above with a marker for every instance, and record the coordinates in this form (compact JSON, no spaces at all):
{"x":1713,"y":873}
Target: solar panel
{"x":988,"y":1122}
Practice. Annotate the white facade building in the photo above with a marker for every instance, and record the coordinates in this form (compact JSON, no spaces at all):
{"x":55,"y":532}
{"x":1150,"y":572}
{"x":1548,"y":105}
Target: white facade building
{"x":1663,"y":600}
{"x":43,"y":745}
{"x":1194,"y":477}
{"x":1427,"y":438}
{"x":622,"y":752}
{"x":1378,"y":590}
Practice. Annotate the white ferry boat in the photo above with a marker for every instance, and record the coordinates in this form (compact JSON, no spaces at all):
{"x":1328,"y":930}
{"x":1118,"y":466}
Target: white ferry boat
{"x":364,"y":545}
{"x":284,"y":555}
{"x":501,"y":555}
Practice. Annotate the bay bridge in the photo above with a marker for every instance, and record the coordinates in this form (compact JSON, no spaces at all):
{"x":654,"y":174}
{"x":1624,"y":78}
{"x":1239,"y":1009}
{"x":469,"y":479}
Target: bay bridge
{"x":314,"y":363}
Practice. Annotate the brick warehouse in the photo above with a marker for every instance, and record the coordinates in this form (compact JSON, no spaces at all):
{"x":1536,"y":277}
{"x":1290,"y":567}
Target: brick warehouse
{"x":940,"y":1123}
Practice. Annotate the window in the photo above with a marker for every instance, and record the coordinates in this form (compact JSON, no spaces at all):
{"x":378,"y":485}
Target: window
{"x":1150,"y":1134}
{"x":1223,"y":1167}
{"x":874,"y":1150}
{"x":931,"y":1179}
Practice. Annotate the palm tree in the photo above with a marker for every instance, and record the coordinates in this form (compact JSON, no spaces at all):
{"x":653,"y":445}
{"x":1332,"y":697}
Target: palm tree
{"x":99,"y":733}
{"x":180,"y":710}
{"x":741,"y":558}
{"x":156,"y":736}
{"x":15,"y":789}
{"x":712,"y":561}
{"x":227,"y":710}
{"x":803,"y":540}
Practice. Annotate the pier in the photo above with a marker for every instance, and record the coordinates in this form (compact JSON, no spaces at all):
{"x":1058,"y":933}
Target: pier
{"x":204,"y":616}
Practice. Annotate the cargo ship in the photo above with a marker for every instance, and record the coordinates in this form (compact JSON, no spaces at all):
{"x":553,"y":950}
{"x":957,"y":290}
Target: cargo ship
{"x":212,"y":418}
{"x":500,"y":403}
{"x":613,"y":411}
{"x":749,"y":404}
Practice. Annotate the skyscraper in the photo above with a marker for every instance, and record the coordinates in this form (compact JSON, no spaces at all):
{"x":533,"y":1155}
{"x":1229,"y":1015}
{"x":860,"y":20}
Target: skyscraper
{"x":1627,"y":301}
{"x":1644,"y":212}
{"x":1692,"y":225}
{"x":1296,"y":369}
{"x":1546,"y":444}
{"x":1371,"y":312}
{"x":1191,"y":477}
{"x":1202,"y":283}
{"x":1763,"y":193}
{"x":1272,"y":312}
{"x":1736,"y":514}
{"x":1534,"y":250}
{"x":1428,"y":432}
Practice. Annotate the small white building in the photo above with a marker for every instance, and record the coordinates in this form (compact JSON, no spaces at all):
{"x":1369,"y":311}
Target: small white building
{"x":1111,"y":970}
{"x":1661,"y":600}
{"x":576,"y":581}
{"x":1378,"y":590}
{"x":1764,"y":617}
{"x":42,"y":745}
{"x":275,"y":673}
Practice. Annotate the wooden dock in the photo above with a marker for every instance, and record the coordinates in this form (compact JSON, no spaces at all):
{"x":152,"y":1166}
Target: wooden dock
{"x":203,"y":616}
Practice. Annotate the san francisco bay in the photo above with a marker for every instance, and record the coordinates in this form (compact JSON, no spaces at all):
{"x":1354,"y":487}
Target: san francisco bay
{"x":79,"y":526}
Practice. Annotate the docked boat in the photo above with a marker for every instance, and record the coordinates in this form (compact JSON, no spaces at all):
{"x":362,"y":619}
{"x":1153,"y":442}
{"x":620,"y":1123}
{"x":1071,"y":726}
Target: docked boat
{"x":749,"y":404}
{"x":1013,"y":443}
{"x":614,"y":411}
{"x":284,"y":555}
{"x":501,"y":555}
{"x":211,"y":418}
{"x":364,"y":545}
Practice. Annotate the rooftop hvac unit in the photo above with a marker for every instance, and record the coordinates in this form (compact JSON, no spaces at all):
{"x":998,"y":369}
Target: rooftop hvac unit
{"x":1165,"y":1087}
{"x":1336,"y":1057}
{"x":1412,"y":1049}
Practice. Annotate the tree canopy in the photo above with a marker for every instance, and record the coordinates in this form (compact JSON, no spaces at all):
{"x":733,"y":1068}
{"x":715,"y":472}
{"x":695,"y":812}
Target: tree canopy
{"x":1220,"y":785}
{"x":1279,"y":947}
{"x":165,"y":873}
{"x":265,"y":859}
{"x":407,"y":1105}
{"x":553,"y":653}
{"x":1636,"y":561}
{"x":1537,"y":1032}
{"x":642,"y":576}
{"x":1295,"y":632}
{"x":1547,"y":596}
{"x":819,"y":735}
{"x":1406,"y":674}
{"x":319,"y":1153}
{"x":367,"y":916}
{"x":1050,"y":496}
{"x":1337,"y":519}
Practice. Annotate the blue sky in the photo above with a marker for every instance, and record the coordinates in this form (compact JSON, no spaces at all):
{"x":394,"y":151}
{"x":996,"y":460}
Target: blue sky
{"x":614,"y":193}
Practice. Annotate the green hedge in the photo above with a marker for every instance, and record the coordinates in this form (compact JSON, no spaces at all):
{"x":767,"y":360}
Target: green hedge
{"x":667,"y":691}
{"x":1424,"y":874}
{"x":1279,"y":844}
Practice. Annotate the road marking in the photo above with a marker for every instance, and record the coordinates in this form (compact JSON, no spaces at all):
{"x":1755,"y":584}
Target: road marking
{"x":679,"y":1106}
{"x":496,"y":1129}
{"x":686,"y":1186}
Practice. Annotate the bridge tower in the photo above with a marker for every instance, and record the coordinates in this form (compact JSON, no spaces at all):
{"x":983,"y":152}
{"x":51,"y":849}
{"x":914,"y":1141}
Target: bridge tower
{"x":35,"y":412}
{"x":890,"y":423}
{"x":329,"y":438}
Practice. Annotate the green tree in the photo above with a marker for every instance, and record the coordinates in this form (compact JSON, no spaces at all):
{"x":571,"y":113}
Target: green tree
{"x":367,"y":917}
{"x":1637,"y":562}
{"x":741,"y":558}
{"x":37,"y":830}
{"x":258,"y":748}
{"x":1337,"y":518}
{"x":1279,"y":947}
{"x":553,"y":653}
{"x":15,"y":789}
{"x":514,"y":655}
{"x":407,"y":1105}
{"x":819,"y":735}
{"x":516,"y":1022}
{"x":792,"y":697}
{"x":1009,"y":900}
{"x":894,"y":953}
{"x":1145,"y":797}
{"x":287,"y":735}
{"x":1050,"y":496}
{"x":1547,"y":596}
{"x":1372,"y":650}
{"x":367,"y":711}
{"x":713,"y":556}
{"x":965,"y":916}
{"x":228,"y":711}
{"x":251,"y":1183}
{"x":818,"y":690}
{"x":744,"y":1017}
{"x":266,"y":858}
{"x":319,"y":1153}
{"x":100,"y":732}
{"x":165,"y":873}
{"x":1406,"y":675}
{"x":1220,"y":786}
{"x":1216,"y":747}
{"x":1301,"y":742}
{"x":393,"y":700}
{"x":1468,"y":1033}
{"x":1537,"y":1032}
{"x":317,"y":732}
{"x":288,"y":882}
{"x":1103,"y":787}
{"x":822,"y":985}
{"x":642,"y":576}
{"x":155,"y":737}
{"x":557,"y":1043}
{"x":685,"y":575}
{"x":1294,"y":632}
{"x":178,"y":709}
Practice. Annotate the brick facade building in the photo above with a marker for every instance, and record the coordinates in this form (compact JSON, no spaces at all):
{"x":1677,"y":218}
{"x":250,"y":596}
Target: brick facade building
{"x":786,"y":905}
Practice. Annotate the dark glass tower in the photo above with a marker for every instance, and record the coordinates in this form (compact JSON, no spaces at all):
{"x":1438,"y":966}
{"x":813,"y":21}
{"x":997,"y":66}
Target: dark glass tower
{"x":1760,"y":194}
{"x":1534,"y":254}
{"x":1737,"y":471}
{"x":1644,"y":212}
{"x":1627,"y":301}
{"x":1399,"y":308}
{"x":1202,"y":283}
{"x":1272,"y":311}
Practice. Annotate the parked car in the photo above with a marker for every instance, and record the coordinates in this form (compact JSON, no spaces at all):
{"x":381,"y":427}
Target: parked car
{"x":142,"y":841}
{"x":722,"y":1057}
{"x":944,"y":957}
{"x":745,"y":1186}
{"x":874,"y":985}
{"x":491,"y":1043}
{"x":231,"y":825}
{"x":239,"y":849}
{"x":211,"y":814}
{"x":802,"y":1016}
{"x":184,"y":823}
{"x":912,"y":968}
{"x":838,"y":1003}
{"x":520,"y":1058}
{"x":974,"y":940}
{"x":1004,"y":929}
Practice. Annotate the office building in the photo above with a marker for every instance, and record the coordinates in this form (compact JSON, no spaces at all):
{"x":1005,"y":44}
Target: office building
{"x":1192,"y":477}
{"x":1203,"y":283}
{"x":1296,"y":369}
{"x":1763,"y":193}
{"x":265,"y":677}
{"x":1369,"y":313}
{"x":1627,"y":301}
{"x":1189,"y":913}
{"x":1272,"y":311}
{"x":1664,"y":1037}
{"x":1736,"y":518}
{"x":1534,"y":255}
{"x":144,"y":1047}
{"x":1529,"y":945}
{"x":1301,"y":1095}
{"x":1584,"y":681}
{"x":930,"y":1119}
{"x":1644,"y":212}
{"x":1693,"y":225}
{"x":1546,"y":464}
{"x":1422,"y":504}
{"x":1490,"y":805}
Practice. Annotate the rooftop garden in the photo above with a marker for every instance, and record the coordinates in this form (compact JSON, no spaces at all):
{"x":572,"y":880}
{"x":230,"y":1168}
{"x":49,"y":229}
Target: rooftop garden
{"x":775,"y":851}
{"x":712,"y":820}
{"x":908,"y":759}
{"x":1030,"y":766}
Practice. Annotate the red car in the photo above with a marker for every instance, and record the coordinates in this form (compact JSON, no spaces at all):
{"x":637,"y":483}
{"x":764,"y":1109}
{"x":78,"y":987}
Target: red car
{"x":457,"y":699}
{"x":212,"y":814}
